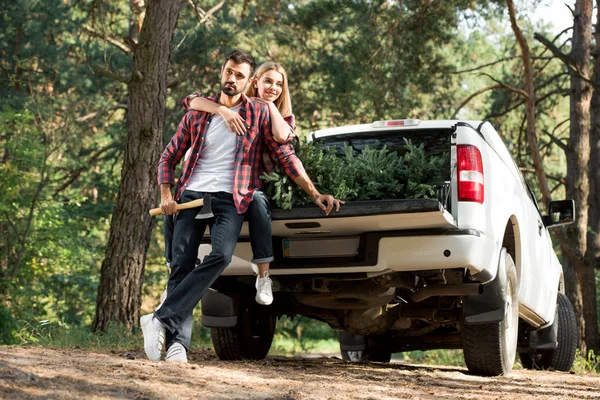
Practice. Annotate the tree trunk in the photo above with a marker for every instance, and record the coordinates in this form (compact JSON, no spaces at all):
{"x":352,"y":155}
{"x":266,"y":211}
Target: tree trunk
{"x":573,"y":289}
{"x":594,"y":216}
{"x":593,"y":236}
{"x":578,"y":156}
{"x":120,"y":290}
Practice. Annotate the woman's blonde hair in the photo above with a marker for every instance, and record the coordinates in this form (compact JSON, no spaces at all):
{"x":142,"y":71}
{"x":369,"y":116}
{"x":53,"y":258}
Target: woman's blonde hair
{"x":284,"y":101}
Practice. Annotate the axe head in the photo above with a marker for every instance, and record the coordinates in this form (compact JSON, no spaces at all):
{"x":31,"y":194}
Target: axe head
{"x":206,"y":210}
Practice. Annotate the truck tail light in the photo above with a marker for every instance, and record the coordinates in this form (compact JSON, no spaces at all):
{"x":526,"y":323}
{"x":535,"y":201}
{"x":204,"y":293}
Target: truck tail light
{"x":470,"y":173}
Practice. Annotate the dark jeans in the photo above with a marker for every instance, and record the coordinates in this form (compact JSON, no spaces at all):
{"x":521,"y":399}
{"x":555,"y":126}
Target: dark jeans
{"x":259,"y":221}
{"x":184,"y":335}
{"x":187,"y":282}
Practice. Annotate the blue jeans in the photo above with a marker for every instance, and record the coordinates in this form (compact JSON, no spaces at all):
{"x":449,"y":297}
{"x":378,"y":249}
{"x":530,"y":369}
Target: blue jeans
{"x":259,"y":221}
{"x":188,"y":282}
{"x":184,"y":336}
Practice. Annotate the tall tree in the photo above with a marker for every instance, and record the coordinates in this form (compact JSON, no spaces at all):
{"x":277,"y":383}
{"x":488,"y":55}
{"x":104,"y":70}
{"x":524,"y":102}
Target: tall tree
{"x":580,"y":253}
{"x":578,"y":158}
{"x":580,"y":177}
{"x":579,"y":273}
{"x":119,"y":293}
{"x":594,"y":216}
{"x":529,"y":95}
{"x":577,"y":169}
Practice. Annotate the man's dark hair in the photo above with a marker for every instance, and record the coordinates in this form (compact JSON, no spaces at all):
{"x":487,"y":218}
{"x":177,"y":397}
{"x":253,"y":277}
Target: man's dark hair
{"x":240,"y":57}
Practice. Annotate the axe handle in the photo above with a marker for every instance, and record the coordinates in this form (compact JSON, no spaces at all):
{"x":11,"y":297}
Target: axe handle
{"x":182,"y":206}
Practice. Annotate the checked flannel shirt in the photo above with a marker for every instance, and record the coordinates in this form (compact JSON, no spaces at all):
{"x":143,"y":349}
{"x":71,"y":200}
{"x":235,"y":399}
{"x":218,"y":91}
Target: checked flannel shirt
{"x":267,"y":157}
{"x":249,"y":148}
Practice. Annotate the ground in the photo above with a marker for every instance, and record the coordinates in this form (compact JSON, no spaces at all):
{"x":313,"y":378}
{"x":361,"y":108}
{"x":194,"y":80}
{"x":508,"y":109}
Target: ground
{"x":39,"y":373}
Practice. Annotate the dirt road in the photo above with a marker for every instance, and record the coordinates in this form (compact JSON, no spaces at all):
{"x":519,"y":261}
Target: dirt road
{"x":37,"y":373}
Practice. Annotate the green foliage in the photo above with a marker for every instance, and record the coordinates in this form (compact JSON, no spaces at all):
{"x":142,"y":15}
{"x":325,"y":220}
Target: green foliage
{"x":377,"y":172}
{"x":423,"y":173}
{"x":371,"y":174}
{"x":323,"y":166}
{"x":301,"y":335}
{"x":435,"y":357}
{"x":63,"y":123}
{"x":9,"y":326}
{"x":55,"y":335}
{"x":586,"y":365}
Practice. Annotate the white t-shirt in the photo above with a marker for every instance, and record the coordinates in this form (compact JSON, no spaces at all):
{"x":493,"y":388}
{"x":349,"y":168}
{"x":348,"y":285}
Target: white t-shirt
{"x":215,"y":169}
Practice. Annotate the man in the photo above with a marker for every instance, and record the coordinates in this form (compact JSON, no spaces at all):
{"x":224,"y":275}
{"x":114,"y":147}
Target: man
{"x":227,"y":167}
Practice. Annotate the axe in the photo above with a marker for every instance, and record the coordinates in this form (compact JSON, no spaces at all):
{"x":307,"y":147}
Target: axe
{"x":205,"y":212}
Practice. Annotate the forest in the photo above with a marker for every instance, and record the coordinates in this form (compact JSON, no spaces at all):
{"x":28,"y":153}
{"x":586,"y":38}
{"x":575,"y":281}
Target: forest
{"x":92,"y":90}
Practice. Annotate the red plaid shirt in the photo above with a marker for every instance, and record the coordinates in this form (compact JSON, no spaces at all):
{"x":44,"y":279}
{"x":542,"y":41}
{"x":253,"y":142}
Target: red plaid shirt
{"x":249,"y":148}
{"x":267,"y":157}
{"x":290,"y":119}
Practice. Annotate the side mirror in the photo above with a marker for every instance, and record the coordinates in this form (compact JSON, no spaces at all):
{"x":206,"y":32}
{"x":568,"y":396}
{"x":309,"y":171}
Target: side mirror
{"x":560,"y":213}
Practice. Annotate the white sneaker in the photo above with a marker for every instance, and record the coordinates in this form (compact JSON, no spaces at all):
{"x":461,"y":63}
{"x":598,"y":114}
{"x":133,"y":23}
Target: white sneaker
{"x":154,"y":336}
{"x":176,"y":353}
{"x":264,"y":293}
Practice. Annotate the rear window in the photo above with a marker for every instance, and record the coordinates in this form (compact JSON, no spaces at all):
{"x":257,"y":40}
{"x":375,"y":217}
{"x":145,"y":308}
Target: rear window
{"x":436,"y":142}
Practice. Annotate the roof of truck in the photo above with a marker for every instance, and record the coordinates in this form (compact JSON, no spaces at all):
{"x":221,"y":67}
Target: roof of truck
{"x":379,"y":126}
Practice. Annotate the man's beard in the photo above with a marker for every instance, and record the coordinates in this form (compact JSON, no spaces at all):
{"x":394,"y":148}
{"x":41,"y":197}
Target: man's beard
{"x":230,"y":90}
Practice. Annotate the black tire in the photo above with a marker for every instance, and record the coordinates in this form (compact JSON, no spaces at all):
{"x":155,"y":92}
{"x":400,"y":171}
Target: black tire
{"x":375,"y":351}
{"x":490,"y":349}
{"x":250,"y":340}
{"x":561,"y":358}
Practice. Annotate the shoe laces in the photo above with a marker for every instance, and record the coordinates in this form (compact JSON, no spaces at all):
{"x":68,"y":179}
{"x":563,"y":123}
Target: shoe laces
{"x":264,"y":285}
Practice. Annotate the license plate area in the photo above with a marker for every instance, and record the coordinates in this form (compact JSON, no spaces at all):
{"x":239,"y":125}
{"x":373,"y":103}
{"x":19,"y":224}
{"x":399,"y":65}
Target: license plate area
{"x":322,"y":247}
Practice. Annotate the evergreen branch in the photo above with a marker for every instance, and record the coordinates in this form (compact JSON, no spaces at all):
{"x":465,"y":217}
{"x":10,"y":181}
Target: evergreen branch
{"x":174,"y":82}
{"x":124,"y":47}
{"x":109,"y":74}
{"x":9,"y":219}
{"x":506,"y":111}
{"x":557,"y":141}
{"x":518,"y":91}
{"x":560,"y":179}
{"x":566,"y":59}
{"x":204,"y":16}
{"x":477,"y":93}
{"x":371,"y":174}
{"x":484,"y":65}
{"x":500,"y":85}
{"x":96,"y":113}
{"x":72,"y":176}
{"x":562,"y":91}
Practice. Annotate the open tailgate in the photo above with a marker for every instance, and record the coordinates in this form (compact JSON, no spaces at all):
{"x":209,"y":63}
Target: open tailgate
{"x":360,"y":216}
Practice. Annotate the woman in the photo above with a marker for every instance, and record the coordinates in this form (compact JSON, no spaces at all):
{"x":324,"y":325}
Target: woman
{"x":270,"y":85}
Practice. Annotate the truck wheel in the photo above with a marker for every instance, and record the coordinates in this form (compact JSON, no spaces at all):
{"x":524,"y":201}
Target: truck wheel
{"x":374,"y":350}
{"x":250,"y":340}
{"x":561,"y":358}
{"x":489,"y":349}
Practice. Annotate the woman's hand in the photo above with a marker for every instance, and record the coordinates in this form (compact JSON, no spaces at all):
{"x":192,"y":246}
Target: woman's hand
{"x":327,"y":202}
{"x":261,"y":100}
{"x":233,"y":120}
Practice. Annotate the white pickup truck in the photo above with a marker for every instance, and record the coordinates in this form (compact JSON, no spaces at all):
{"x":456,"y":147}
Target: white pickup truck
{"x":473,"y":269}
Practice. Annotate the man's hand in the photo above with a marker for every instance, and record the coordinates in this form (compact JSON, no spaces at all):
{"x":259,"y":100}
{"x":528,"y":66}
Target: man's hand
{"x":168,"y":206}
{"x":326,"y":202}
{"x":233,"y":120}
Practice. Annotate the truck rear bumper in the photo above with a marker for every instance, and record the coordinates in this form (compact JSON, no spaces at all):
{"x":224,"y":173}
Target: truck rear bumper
{"x":475,"y":252}
{"x":384,"y":251}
